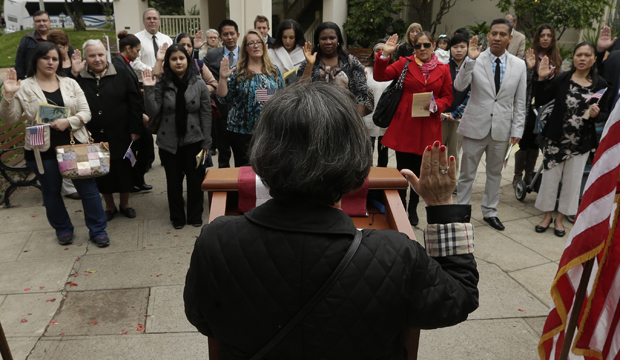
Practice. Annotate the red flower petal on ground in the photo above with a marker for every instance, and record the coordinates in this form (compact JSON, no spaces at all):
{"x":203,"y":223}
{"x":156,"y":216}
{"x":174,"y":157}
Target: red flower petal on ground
{"x":50,"y":300}
{"x":140,"y":327}
{"x":54,"y":322}
{"x":27,"y":289}
{"x":24,"y":320}
{"x":94,"y":323}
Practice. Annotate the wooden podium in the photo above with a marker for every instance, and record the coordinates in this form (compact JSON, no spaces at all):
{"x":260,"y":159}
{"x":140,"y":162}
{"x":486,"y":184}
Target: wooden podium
{"x":221,"y":185}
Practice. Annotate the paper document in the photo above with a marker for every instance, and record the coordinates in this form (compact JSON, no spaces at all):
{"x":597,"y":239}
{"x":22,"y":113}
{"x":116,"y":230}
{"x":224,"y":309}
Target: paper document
{"x":511,"y":150}
{"x":48,"y":113}
{"x":419,"y":102}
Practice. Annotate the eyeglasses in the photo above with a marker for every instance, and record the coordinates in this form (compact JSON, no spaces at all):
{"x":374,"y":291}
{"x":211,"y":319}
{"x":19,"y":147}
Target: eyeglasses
{"x":419,"y":46}
{"x":254,"y":44}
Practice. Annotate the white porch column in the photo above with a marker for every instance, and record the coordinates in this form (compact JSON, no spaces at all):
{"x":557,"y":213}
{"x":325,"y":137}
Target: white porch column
{"x":243,"y":12}
{"x":128,"y":15}
{"x":203,"y":7}
{"x":336,"y":11}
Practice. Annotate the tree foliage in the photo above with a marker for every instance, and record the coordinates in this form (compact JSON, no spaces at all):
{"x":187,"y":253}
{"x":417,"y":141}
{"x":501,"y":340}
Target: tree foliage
{"x":562,"y":14}
{"x":168,"y":7}
{"x":369,"y":20}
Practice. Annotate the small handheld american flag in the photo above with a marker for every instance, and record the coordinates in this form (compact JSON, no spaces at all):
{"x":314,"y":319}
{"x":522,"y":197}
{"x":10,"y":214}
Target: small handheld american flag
{"x":433,"y":104}
{"x":130,"y":155}
{"x":37,"y":135}
{"x":598,"y":95}
{"x":264,"y":95}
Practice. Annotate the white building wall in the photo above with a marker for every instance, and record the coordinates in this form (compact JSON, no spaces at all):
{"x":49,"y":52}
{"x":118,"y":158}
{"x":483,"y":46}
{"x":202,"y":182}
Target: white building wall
{"x":128,"y":15}
{"x":243,"y":12}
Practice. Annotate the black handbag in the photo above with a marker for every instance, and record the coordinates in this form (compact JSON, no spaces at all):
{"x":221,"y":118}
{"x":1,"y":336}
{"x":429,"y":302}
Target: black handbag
{"x":388,"y":102}
{"x":357,"y":240}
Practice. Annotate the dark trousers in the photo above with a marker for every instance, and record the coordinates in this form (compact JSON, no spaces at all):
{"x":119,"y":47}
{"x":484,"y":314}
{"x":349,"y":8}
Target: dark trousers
{"x":57,"y":215}
{"x":177,"y":166}
{"x":412,"y":162}
{"x":382,"y":151}
{"x":221,"y":137}
{"x":145,"y":155}
{"x":240,"y":143}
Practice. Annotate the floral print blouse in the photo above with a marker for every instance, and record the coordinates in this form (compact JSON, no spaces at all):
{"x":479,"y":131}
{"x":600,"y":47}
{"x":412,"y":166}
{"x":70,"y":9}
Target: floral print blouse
{"x":247,"y":98}
{"x":574,"y":127}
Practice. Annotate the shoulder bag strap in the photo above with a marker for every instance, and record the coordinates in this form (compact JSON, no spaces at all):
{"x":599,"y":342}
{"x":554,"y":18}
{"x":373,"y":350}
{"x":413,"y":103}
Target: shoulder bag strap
{"x":401,"y":79}
{"x":315,"y":299}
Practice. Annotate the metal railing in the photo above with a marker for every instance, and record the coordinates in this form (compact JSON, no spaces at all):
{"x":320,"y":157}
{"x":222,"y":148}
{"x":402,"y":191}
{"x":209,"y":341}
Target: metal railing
{"x":309,"y":34}
{"x":172,"y":25}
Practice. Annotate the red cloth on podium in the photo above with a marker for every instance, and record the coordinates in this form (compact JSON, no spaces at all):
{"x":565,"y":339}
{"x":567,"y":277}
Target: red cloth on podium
{"x":252,"y":193}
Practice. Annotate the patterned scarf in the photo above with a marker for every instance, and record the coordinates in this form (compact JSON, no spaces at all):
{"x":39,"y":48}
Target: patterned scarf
{"x":427,"y":67}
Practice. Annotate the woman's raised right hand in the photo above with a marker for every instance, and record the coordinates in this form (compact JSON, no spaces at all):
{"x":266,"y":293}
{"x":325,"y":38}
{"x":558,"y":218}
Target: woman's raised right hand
{"x":77,"y":64}
{"x":310,"y":57}
{"x":225,"y":69}
{"x":390,"y":45}
{"x":11,"y":84}
{"x":147,"y":78}
{"x":543,"y":69}
{"x":530,"y":58}
{"x":161,"y":53}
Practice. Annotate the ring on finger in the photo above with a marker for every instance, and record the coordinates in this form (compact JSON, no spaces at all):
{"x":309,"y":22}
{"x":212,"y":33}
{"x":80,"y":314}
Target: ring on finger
{"x":443,"y":171}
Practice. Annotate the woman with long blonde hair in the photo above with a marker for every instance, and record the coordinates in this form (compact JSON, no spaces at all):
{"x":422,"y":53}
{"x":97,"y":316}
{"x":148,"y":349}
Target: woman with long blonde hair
{"x":248,"y":86}
{"x":406,"y":48}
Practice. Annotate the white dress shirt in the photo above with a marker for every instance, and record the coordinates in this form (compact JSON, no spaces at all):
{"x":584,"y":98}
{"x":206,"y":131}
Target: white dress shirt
{"x":147,"y":59}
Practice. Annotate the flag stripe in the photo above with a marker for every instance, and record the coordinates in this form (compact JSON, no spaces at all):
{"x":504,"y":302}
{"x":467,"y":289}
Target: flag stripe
{"x":609,"y":309}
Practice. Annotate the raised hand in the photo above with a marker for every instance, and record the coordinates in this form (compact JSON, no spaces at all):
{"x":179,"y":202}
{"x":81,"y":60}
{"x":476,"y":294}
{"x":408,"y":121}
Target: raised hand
{"x":198,"y":40}
{"x":543,"y":69}
{"x":11,"y":84}
{"x":161,"y":53}
{"x":147,"y":78}
{"x":225,"y":69}
{"x":604,"y":39}
{"x":530,"y":58}
{"x":77,"y":64}
{"x":474,"y":50}
{"x":390,"y":45}
{"x":310,"y":57}
{"x":437,"y":176}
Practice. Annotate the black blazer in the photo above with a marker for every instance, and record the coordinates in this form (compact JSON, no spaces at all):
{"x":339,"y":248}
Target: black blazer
{"x":270,"y":41}
{"x":558,"y":89}
{"x":213,"y":59}
{"x":610,"y":71}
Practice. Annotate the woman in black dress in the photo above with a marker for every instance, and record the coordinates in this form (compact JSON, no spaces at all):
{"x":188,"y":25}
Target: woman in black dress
{"x":116,"y":106}
{"x":569,"y":133}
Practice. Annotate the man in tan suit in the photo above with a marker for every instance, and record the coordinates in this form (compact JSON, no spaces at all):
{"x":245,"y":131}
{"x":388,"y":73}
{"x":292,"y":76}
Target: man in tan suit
{"x":517,"y":44}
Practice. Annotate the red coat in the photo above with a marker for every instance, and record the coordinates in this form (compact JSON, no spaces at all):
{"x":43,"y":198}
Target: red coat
{"x":414,"y":134}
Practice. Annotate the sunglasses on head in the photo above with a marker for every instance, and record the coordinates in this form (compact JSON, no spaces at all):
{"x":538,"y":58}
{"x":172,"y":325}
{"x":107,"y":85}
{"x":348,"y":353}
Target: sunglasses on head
{"x":419,"y":46}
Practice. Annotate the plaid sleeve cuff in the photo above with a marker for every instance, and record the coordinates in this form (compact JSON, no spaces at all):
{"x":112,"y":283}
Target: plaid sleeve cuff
{"x":449,"y":239}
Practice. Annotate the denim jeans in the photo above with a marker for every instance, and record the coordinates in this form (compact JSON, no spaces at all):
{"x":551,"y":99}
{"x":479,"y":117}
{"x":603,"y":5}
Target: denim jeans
{"x":57,"y":215}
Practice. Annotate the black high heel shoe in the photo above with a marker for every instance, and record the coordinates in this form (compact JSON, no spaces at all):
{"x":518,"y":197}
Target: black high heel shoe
{"x":542,"y":229}
{"x":559,"y":233}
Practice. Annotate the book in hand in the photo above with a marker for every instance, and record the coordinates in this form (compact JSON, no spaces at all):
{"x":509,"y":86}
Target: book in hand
{"x":48,"y":113}
{"x":419,"y":103}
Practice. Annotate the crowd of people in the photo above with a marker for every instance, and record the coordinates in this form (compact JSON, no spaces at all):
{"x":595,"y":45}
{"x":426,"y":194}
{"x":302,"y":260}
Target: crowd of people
{"x":204,"y":94}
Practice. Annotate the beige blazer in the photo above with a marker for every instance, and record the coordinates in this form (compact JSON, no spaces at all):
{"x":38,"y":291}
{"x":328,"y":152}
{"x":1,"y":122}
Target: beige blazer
{"x":501,"y":114}
{"x":517,"y":44}
{"x":26,"y":102}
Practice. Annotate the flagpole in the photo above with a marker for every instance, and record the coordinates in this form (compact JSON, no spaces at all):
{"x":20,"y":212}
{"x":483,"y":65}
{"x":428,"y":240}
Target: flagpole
{"x":569,"y":332}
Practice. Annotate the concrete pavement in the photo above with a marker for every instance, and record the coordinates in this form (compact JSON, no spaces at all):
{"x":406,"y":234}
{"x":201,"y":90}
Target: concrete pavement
{"x":125,"y":301}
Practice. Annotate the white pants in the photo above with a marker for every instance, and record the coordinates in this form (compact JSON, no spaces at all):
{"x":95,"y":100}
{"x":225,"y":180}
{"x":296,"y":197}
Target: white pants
{"x":570,"y":174}
{"x":67,"y":187}
{"x":472,"y":153}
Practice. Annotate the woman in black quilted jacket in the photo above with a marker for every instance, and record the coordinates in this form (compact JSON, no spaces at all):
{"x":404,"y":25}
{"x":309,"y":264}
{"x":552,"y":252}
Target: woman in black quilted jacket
{"x":249,"y":275}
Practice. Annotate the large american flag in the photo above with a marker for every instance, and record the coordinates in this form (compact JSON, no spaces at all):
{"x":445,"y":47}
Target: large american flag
{"x":593,"y":236}
{"x":37,"y":135}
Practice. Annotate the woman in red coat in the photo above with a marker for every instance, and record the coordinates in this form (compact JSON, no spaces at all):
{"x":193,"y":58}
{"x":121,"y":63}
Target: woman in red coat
{"x":408,"y":135}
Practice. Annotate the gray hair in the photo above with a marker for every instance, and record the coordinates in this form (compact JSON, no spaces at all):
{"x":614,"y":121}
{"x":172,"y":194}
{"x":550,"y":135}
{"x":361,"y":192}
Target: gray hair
{"x":91,"y":42}
{"x":149,"y":9}
{"x":514,"y":17}
{"x":310,"y":144}
{"x":213,"y":31}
